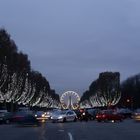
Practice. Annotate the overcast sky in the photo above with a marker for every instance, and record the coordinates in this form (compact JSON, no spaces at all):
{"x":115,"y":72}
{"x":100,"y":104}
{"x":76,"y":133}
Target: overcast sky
{"x":71,"y":41}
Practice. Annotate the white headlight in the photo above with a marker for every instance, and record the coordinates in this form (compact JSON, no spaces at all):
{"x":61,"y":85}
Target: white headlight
{"x":60,"y":117}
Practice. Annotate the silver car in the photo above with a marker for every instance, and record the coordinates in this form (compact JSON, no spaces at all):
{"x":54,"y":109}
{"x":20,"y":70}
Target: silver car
{"x":64,"y":116}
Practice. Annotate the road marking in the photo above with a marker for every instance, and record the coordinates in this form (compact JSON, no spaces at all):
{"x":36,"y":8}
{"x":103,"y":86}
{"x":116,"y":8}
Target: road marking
{"x":70,"y":136}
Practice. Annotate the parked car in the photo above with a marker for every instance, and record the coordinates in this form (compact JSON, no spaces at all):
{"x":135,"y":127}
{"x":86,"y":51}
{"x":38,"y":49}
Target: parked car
{"x":109,"y":115}
{"x":64,"y":116}
{"x":5,"y":117}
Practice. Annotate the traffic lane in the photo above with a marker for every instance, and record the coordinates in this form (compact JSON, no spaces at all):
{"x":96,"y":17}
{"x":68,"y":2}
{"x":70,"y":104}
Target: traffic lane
{"x":54,"y":131}
{"x":47,"y":131}
{"x":93,"y":130}
{"x":12,"y":132}
{"x":73,"y":131}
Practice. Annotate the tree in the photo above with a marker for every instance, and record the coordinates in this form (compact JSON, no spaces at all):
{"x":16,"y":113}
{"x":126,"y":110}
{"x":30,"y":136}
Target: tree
{"x":18,"y":83}
{"x":105,"y":91}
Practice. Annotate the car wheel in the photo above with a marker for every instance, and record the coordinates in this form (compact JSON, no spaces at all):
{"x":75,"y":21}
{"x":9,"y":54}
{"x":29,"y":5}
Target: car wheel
{"x":75,"y":119}
{"x":64,"y":120}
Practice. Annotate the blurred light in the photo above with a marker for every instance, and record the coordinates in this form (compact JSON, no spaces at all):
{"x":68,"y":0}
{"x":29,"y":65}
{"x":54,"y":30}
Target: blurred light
{"x":128,"y":100}
{"x":60,"y":117}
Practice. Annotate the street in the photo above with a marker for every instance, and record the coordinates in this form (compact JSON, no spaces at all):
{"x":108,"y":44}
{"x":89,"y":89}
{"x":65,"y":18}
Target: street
{"x":92,"y":130}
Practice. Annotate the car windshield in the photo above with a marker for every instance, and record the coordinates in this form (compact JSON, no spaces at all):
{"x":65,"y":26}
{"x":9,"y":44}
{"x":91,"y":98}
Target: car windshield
{"x":60,"y":112}
{"x":39,"y":112}
{"x":107,"y":112}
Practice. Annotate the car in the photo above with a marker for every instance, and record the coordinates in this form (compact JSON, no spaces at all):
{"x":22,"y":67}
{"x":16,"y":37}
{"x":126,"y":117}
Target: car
{"x":83,"y":114}
{"x":19,"y":116}
{"x":64,"y":116}
{"x":41,"y":116}
{"x":127,"y":113}
{"x":28,"y":120}
{"x":109,"y":115}
{"x":78,"y":113}
{"x":23,"y":118}
{"x":2,"y":112}
{"x":5,"y":117}
{"x":49,"y":113}
{"x":136,"y":115}
{"x":92,"y":113}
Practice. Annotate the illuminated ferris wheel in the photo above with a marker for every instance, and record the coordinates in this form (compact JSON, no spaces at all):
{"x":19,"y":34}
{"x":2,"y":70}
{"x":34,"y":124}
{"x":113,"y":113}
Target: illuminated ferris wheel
{"x":70,"y":100}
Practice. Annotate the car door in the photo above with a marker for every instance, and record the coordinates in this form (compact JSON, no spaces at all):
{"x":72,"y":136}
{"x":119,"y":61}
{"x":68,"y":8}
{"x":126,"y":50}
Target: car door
{"x":70,"y":116}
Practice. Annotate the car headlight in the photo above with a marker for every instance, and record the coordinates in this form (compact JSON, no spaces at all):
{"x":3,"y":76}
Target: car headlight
{"x":84,"y":113}
{"x":43,"y":115}
{"x":60,"y":117}
{"x":35,"y":115}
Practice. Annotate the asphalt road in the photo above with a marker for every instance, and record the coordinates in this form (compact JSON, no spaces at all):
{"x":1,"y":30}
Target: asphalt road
{"x":127,"y":130}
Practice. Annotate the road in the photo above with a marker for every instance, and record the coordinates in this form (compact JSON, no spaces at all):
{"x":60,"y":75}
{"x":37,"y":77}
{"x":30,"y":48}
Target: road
{"x":127,"y":130}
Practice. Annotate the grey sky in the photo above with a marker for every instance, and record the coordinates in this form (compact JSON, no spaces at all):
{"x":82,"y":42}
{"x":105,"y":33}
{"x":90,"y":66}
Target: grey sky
{"x":72,"y":41}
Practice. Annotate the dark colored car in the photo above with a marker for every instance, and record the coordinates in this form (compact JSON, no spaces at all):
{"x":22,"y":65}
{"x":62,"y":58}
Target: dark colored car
{"x":78,"y":113}
{"x":109,"y":115}
{"x":83,"y":115}
{"x":127,"y":113}
{"x":92,"y":113}
{"x":6,"y":117}
{"x":28,"y":120}
{"x":25,"y":118}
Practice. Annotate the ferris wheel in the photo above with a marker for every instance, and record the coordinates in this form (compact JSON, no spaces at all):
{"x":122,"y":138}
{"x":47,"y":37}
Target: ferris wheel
{"x":70,"y":100}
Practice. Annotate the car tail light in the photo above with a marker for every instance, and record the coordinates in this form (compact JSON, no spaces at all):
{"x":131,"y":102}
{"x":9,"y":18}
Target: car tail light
{"x":103,"y":116}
